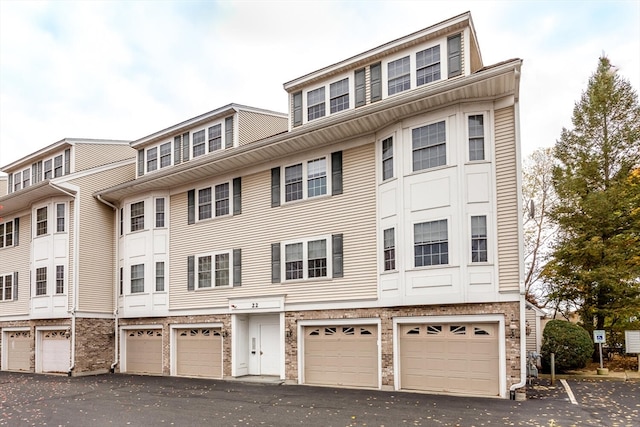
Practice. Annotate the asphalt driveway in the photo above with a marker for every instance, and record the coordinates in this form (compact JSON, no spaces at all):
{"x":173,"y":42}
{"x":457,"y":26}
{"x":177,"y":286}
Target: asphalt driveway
{"x":121,"y":400}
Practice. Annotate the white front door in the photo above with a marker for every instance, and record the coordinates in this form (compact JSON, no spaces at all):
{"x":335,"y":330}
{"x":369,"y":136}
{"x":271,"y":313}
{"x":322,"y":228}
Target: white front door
{"x":269,"y":349}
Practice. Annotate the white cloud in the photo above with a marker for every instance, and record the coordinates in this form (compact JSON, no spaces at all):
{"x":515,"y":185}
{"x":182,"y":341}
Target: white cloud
{"x":126,"y":69}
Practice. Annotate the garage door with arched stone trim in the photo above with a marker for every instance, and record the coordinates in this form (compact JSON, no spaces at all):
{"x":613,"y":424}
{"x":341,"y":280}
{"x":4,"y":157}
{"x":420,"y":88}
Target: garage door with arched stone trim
{"x":455,"y":358}
{"x":341,"y":355}
{"x":199,"y":352}
{"x":55,"y":352}
{"x":18,"y":350}
{"x":144,"y":351}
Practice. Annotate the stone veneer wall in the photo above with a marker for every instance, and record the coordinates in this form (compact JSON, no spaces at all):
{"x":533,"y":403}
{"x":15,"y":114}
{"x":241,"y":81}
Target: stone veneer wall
{"x":95,"y":343}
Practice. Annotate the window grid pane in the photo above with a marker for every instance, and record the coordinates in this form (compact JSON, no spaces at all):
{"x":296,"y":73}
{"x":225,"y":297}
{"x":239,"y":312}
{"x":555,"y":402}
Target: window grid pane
{"x":41,"y":221}
{"x":315,"y":104}
{"x":479,"y":252}
{"x":339,"y":95}
{"x":204,"y":203}
{"x":41,"y":281}
{"x":428,"y":65}
{"x":60,"y":216}
{"x":317,"y":177}
{"x":399,"y":78}
{"x":137,"y":278}
{"x":165,"y":155}
{"x":26,"y":178}
{"x":160,"y":212}
{"x":317,"y":252}
{"x":429,"y":146}
{"x":57,"y":166}
{"x":159,"y":276}
{"x":59,"y":279}
{"x":476,"y":137}
{"x":137,"y":216}
{"x":152,"y":159}
{"x":387,"y":158}
{"x":204,"y":272}
{"x":215,"y":138}
{"x":389,"y":249}
{"x":293,"y":182}
{"x":48,"y":171}
{"x":431,"y":246}
{"x":293,"y":261}
{"x":198,"y":143}
{"x":222,"y":199}
{"x":222,"y":270}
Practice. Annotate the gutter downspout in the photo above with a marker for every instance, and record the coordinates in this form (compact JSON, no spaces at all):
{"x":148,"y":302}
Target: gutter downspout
{"x":76,"y":241}
{"x":115,"y":288}
{"x":523,"y":335}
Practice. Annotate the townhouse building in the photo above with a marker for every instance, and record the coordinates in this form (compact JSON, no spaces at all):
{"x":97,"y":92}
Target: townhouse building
{"x":56,"y":255}
{"x":370,"y":237}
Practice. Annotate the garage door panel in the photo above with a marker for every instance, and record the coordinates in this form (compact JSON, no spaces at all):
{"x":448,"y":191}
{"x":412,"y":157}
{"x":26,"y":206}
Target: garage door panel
{"x":18,"y":351}
{"x":452,"y":358}
{"x":144,"y":351}
{"x":199,"y":352}
{"x":55,"y":352}
{"x":341,"y":355}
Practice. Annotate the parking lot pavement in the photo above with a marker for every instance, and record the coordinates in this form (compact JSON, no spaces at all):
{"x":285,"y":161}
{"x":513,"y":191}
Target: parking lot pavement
{"x":121,"y":400}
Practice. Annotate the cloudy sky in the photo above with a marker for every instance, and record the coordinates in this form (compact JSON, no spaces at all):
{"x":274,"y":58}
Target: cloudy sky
{"x":125,"y":69}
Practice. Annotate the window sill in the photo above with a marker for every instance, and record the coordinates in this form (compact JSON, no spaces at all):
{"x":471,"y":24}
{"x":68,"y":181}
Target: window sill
{"x":213,"y":288}
{"x":307,"y":199}
{"x":433,"y":169}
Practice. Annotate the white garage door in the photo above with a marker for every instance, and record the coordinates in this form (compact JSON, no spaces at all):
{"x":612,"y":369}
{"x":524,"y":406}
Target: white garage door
{"x":341,"y":355}
{"x":199,"y":352}
{"x":56,"y":351}
{"x":144,"y":351}
{"x":450,"y":358}
{"x":18,"y":350}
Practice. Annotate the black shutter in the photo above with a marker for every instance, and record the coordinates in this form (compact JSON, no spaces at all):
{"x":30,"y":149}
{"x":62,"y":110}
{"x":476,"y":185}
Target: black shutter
{"x":15,"y":286}
{"x":237,"y":196}
{"x":336,"y":247}
{"x":10,"y":183}
{"x":191,"y":275}
{"x":177,"y":150}
{"x":237,"y":267}
{"x":67,"y":161}
{"x":275,"y":187}
{"x":336,"y":173}
{"x":376,"y":82}
{"x":191,"y":206}
{"x":275,"y":263}
{"x":228,"y":132}
{"x":360,"y":88}
{"x":185,"y":146}
{"x":141,"y":162}
{"x":454,"y":52}
{"x":297,"y":109}
{"x":16,"y":231}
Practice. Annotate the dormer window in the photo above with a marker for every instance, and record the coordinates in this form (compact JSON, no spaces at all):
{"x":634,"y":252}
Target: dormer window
{"x":399,"y":75}
{"x":428,"y":65}
{"x":315,"y":104}
{"x":339,"y":94}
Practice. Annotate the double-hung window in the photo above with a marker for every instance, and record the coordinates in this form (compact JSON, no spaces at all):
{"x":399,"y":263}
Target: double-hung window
{"x":57,"y":166}
{"x":41,"y":281}
{"x":339,"y":95}
{"x":215,"y":138}
{"x":160,"y":212}
{"x":476,"y":137}
{"x":214,"y":201}
{"x":165,"y":154}
{"x":160,"y":276}
{"x":204,"y":203}
{"x":198,"y":143}
{"x":152,"y":159}
{"x":48,"y":169}
{"x":214,"y":270}
{"x":428,"y":65}
{"x":315,"y":104}
{"x":17,"y":181}
{"x":60,"y":217}
{"x":26,"y":178}
{"x":293,"y":261}
{"x":306,"y":259}
{"x":59,"y":279}
{"x":41,"y":221}
{"x":429,"y":146}
{"x":479,"y":252}
{"x":316,"y":177}
{"x":137,"y":278}
{"x":399,"y":75}
{"x":317,"y":256}
{"x":137,"y":216}
{"x":6,"y":287}
{"x":387,"y":158}
{"x":431,"y":243}
{"x":222,"y":199}
{"x":6,"y":234}
{"x":389,"y":242}
{"x":293,"y":183}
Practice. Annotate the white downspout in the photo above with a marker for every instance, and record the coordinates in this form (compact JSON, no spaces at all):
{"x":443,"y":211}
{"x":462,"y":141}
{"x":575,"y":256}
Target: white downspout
{"x":523,"y":335}
{"x":65,"y":187}
{"x":115,"y":288}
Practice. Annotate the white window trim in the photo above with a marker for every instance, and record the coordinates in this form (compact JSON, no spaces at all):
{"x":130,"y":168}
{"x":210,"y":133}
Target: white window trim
{"x":158,"y":156}
{"x":166,"y":214}
{"x":486,"y":128}
{"x":13,"y":287}
{"x":305,"y":258}
{"x":305,"y":179}
{"x":491,"y":241}
{"x":213,"y":270}
{"x":4,"y":233}
{"x":205,"y":127}
{"x":145,"y":215}
{"x":213,"y":202}
{"x":412,"y":244}
{"x":395,"y":157}
{"x":34,"y":221}
{"x":327,"y":97}
{"x":408,"y":154}
{"x":66,"y":217}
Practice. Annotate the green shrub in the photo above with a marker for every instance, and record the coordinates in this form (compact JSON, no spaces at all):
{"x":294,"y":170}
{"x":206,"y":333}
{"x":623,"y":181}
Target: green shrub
{"x":571,"y":344}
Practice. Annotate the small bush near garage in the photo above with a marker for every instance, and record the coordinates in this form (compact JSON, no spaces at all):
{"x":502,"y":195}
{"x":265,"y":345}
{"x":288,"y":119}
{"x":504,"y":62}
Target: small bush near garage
{"x":571,"y":344}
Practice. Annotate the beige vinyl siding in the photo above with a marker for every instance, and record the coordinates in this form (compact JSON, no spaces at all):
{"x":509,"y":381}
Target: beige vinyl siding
{"x":530,"y":316}
{"x":351,"y":213}
{"x":96,"y":243}
{"x":14,"y":259}
{"x":507,"y":200}
{"x":4,"y":182}
{"x":255,"y":126}
{"x":89,"y":155}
